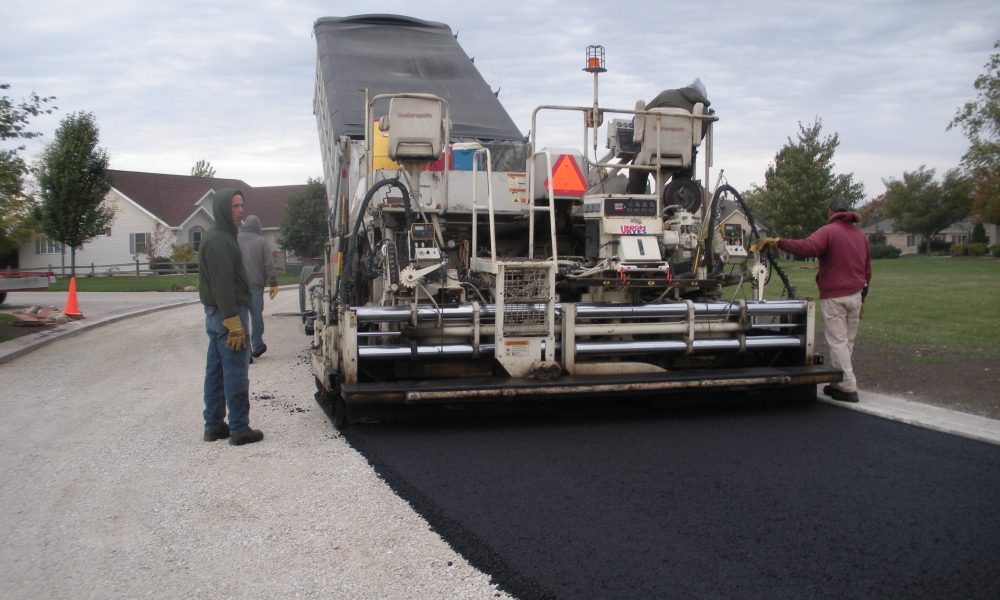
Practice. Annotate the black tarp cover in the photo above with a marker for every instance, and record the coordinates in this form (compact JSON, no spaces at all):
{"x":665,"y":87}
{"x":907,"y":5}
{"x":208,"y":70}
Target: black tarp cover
{"x":396,"y":54}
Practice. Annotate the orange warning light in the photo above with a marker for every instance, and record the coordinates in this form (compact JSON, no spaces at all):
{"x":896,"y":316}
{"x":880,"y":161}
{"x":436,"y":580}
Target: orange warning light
{"x":567,"y":179}
{"x":595,"y":59}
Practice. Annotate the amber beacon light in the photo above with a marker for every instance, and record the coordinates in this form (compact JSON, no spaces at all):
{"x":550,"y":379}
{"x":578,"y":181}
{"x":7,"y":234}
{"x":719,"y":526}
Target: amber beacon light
{"x":595,"y":59}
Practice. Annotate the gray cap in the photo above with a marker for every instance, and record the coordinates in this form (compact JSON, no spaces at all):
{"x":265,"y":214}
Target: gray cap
{"x":840,"y":205}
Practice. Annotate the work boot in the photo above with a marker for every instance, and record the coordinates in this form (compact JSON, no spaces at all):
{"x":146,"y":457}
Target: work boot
{"x":841,"y":395}
{"x":219,"y":433}
{"x":257,"y":353}
{"x":246,"y":437}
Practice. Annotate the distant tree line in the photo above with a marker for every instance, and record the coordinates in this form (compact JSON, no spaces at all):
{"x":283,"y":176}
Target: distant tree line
{"x":800,"y":183}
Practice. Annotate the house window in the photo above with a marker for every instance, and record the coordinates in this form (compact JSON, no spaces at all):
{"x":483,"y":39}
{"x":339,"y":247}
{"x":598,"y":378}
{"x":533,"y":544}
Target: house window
{"x":195,"y":236}
{"x":911,"y":241}
{"x":138,"y":243}
{"x":44,"y":245}
{"x":959,"y":239}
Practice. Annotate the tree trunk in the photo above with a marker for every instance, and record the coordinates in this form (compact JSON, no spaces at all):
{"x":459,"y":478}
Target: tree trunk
{"x":72,"y":262}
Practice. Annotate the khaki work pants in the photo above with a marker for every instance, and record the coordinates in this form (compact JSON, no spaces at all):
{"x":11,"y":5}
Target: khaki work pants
{"x":841,"y":319}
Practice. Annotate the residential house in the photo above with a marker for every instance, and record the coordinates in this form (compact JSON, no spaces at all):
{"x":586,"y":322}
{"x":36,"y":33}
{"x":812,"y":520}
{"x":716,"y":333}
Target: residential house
{"x":959,"y":232}
{"x":154,"y":211}
{"x":907,"y":243}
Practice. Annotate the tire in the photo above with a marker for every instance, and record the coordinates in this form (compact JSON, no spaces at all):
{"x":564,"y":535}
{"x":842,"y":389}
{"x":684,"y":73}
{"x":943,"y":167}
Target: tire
{"x":304,"y":276}
{"x":333,"y":404}
{"x":340,"y":416}
{"x":3,"y":297}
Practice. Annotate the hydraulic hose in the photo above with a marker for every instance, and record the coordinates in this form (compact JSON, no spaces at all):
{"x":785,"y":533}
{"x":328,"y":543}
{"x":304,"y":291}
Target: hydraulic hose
{"x":353,"y":247}
{"x":753,"y":228}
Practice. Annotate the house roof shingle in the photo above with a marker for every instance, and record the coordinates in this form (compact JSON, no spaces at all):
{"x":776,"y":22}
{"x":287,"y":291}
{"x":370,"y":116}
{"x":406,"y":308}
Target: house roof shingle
{"x":172,"y":198}
{"x":268,"y":203}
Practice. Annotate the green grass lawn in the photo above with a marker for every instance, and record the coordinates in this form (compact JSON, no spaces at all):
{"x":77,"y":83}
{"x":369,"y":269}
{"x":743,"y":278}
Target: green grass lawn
{"x":921,"y":301}
{"x":145,"y":283}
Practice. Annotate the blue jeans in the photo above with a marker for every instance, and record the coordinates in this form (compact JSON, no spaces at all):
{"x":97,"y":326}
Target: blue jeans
{"x":227,"y":385}
{"x":256,"y":319}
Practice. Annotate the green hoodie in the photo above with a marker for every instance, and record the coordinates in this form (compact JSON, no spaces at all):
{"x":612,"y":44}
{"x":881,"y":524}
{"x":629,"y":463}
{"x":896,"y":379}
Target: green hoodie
{"x":222,"y":280}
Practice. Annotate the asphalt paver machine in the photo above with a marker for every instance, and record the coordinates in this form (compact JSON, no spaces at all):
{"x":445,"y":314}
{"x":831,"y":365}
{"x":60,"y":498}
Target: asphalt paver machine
{"x":467,"y":264}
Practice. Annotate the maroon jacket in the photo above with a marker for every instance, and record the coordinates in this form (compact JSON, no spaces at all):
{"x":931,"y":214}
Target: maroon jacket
{"x":845,"y":261}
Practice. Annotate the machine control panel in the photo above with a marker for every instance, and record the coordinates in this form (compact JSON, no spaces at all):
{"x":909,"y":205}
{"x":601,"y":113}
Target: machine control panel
{"x":421,"y":231}
{"x":620,"y":138}
{"x":733,"y":251}
{"x":629,"y":207}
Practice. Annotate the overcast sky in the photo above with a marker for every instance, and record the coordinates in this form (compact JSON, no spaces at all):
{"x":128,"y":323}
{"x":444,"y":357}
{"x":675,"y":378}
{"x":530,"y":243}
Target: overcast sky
{"x":231,"y":82}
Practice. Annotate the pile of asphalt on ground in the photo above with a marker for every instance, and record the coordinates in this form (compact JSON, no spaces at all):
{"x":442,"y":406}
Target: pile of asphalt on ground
{"x":797,"y":501}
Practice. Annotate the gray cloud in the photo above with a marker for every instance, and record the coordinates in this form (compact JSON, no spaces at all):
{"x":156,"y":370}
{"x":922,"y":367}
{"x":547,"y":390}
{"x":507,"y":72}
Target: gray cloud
{"x":231,"y":82}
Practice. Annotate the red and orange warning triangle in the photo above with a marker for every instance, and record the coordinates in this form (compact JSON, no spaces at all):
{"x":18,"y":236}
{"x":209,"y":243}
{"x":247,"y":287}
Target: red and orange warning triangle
{"x":567,"y":179}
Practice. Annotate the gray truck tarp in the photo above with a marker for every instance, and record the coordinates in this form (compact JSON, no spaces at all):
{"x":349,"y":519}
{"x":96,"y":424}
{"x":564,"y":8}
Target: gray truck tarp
{"x":395,"y":54}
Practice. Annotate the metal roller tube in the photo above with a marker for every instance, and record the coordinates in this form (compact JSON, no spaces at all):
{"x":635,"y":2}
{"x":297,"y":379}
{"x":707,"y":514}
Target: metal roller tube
{"x":676,"y":346}
{"x":772,"y":342}
{"x":778,"y":307}
{"x":675,"y":327}
{"x":400,"y":314}
{"x":421,"y":351}
{"x":680,"y":309}
{"x":584,"y":348}
{"x":397,"y":314}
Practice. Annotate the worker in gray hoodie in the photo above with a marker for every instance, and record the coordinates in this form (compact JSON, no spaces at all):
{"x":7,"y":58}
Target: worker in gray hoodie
{"x":258,"y":261}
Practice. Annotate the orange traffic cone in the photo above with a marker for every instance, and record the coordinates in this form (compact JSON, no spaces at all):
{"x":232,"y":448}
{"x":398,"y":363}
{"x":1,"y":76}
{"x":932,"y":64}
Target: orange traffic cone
{"x":72,"y":310}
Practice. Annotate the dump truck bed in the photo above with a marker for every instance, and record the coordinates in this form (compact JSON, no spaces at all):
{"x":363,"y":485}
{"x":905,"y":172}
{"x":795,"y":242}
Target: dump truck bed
{"x":392,"y":54}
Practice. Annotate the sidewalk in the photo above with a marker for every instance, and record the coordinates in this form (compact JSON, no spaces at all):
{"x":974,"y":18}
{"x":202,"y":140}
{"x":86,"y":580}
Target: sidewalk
{"x":101,"y":308}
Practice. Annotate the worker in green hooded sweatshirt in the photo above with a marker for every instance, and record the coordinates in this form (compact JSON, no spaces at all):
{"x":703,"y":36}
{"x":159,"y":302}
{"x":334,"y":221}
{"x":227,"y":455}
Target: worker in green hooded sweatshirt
{"x":224,"y":292}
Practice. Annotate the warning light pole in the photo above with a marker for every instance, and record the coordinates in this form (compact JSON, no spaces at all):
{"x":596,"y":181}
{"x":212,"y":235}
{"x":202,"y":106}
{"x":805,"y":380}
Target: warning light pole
{"x":595,"y":65}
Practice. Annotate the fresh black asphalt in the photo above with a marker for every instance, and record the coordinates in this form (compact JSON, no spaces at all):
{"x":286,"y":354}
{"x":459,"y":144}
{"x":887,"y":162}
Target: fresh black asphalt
{"x":798,"y":501}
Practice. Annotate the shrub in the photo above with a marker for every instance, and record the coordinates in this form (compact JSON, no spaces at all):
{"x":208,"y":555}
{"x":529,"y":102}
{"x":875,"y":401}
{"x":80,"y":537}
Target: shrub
{"x":876,"y":239}
{"x":161,"y":265}
{"x":937,"y":247}
{"x":885,"y":251}
{"x":183,"y":253}
{"x":995,"y":250}
{"x":959,"y":250}
{"x":976,"y":249}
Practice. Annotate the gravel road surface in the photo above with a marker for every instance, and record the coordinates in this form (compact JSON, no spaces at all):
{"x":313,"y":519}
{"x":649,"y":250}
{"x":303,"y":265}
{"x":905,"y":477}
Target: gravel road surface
{"x":109,"y":491}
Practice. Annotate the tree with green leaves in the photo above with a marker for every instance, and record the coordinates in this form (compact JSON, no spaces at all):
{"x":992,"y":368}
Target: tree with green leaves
{"x":800,"y":184}
{"x":73,"y":181}
{"x":979,"y":235}
{"x":922,"y":206}
{"x":304,"y":229}
{"x":980,"y":120}
{"x":873,"y":211}
{"x":16,"y":222}
{"x":203,"y":168}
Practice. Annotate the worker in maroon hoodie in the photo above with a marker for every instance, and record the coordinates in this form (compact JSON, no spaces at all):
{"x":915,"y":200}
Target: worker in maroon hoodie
{"x":845,"y":269}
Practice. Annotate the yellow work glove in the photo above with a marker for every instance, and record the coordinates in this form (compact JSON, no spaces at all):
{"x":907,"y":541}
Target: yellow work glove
{"x":767,"y":242}
{"x":237,"y":337}
{"x":273,"y":291}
